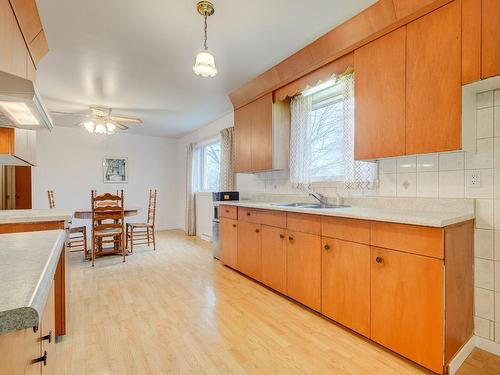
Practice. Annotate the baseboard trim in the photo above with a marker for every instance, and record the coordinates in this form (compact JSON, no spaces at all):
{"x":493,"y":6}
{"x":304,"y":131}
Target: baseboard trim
{"x":488,"y":345}
{"x":461,"y":356}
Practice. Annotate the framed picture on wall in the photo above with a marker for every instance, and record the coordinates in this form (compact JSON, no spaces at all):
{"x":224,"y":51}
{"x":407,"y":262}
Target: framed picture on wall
{"x":115,"y":170}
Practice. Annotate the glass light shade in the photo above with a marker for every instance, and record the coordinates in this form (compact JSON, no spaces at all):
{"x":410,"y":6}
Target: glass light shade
{"x":205,"y":65}
{"x":90,"y":126}
{"x":110,"y":127}
{"x":100,"y":129}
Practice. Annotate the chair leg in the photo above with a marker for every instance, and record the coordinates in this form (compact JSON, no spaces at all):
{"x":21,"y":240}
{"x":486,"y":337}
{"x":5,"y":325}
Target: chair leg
{"x":147,"y":232}
{"x":124,"y":251}
{"x":85,"y":250}
{"x":93,"y":250}
{"x":154,"y":239}
{"x":126,"y":236}
{"x":132,"y":240}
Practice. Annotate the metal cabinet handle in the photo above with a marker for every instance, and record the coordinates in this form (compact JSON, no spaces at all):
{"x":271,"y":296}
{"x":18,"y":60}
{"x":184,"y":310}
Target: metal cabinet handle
{"x":227,"y":211}
{"x":282,"y":235}
{"x":291,"y":238}
{"x":257,"y":230}
{"x":248,"y":213}
{"x":327,"y":247}
{"x":378,"y":259}
{"x":234,"y":225}
{"x":48,"y":337}
{"x":43,"y":359}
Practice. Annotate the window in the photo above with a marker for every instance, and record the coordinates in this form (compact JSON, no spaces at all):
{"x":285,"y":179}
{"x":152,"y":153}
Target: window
{"x":327,"y":135}
{"x":206,"y":168}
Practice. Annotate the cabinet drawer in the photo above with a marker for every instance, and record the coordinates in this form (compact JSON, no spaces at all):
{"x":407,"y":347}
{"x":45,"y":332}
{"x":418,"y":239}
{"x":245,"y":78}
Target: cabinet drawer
{"x":273,"y":218}
{"x":251,"y":215}
{"x":230,"y":212}
{"x":346,"y":229}
{"x":303,"y":223}
{"x":414,"y":239}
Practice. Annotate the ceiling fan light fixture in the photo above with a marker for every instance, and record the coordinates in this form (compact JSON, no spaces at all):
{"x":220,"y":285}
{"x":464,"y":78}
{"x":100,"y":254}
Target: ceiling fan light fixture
{"x":204,"y":65}
{"x":110,"y":128}
{"x":90,"y":126}
{"x":100,"y":129}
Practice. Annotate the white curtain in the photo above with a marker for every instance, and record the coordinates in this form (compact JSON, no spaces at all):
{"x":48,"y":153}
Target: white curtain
{"x":358,"y":175}
{"x":227,"y":160}
{"x":300,"y":141}
{"x":190,"y":196}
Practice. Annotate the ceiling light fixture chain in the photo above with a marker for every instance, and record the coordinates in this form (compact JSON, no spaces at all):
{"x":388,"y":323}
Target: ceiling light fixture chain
{"x":206,"y":32}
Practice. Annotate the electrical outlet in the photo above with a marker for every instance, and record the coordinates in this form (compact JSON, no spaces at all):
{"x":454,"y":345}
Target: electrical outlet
{"x":474,"y":179}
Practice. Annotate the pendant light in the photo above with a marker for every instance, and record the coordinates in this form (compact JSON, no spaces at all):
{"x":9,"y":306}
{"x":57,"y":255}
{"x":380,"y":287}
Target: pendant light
{"x":205,"y":62}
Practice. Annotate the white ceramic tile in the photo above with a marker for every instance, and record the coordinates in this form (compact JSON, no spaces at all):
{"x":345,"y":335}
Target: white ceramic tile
{"x":484,"y":123}
{"x":388,"y":165}
{"x":451,"y":161}
{"x":483,"y":157}
{"x":485,"y":189}
{"x":496,"y":120}
{"x":484,"y":99}
{"x":484,"y":243}
{"x":407,"y":164}
{"x":497,"y":246}
{"x":388,"y":184}
{"x":428,"y":163}
{"x":492,"y":330}
{"x":497,"y":307}
{"x":484,"y":213}
{"x":484,"y":303}
{"x":496,"y":213}
{"x":496,"y":184}
{"x":497,"y":277}
{"x":497,"y":332}
{"x":451,"y":184}
{"x":482,"y":327}
{"x":483,"y":273}
{"x":407,"y":184}
{"x":427,"y":184}
{"x":497,"y":152}
{"x":497,"y":97}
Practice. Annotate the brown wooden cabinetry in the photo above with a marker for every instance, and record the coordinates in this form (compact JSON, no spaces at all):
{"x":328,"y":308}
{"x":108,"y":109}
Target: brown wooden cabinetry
{"x":346,"y":284}
{"x":433,"y":81}
{"x":407,"y":305}
{"x":262,"y":131}
{"x":490,"y":38}
{"x":249,"y":249}
{"x":229,"y":242}
{"x":274,"y":257}
{"x":304,"y":268}
{"x":48,"y":333}
{"x":13,"y":56}
{"x":380,"y":97}
{"x":17,"y":146}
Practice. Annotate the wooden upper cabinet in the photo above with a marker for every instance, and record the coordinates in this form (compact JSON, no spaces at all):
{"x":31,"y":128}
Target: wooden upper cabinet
{"x":380,"y":97}
{"x":262,"y":134}
{"x":415,"y":283}
{"x":274,"y":257}
{"x":28,"y":18}
{"x":346,"y":284}
{"x":229,"y":242}
{"x":249,"y":249}
{"x":471,"y":41}
{"x":13,"y":56}
{"x":433,"y":81}
{"x":304,"y":268}
{"x":490,"y":38}
{"x":17,"y":146}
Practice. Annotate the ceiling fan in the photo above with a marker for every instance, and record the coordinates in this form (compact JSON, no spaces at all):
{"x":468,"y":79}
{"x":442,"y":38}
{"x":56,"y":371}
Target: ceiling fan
{"x":100,"y":120}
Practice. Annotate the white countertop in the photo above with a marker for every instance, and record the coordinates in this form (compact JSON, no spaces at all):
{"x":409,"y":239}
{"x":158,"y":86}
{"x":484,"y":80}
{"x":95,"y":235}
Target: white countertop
{"x":426,"y":218}
{"x":32,"y":216}
{"x":28,"y":261}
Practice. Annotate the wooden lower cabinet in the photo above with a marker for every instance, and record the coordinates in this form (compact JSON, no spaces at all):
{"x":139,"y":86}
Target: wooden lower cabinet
{"x":274,"y":257}
{"x":346,"y":283}
{"x":47,"y":331}
{"x":229,"y":242}
{"x":249,"y":249}
{"x":407,"y":305}
{"x":304,"y":268}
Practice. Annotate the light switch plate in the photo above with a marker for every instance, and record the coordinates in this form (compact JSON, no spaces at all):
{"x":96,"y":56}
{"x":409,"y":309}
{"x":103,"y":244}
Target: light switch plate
{"x":474,"y":179}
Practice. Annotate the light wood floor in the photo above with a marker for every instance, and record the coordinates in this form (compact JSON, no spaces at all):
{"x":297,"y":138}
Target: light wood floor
{"x":176,"y":310}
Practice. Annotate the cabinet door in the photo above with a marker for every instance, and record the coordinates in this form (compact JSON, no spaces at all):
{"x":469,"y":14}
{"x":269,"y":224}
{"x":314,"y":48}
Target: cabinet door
{"x":433,"y":81}
{"x":407,"y":305}
{"x":304,"y":268}
{"x":490,"y":38}
{"x":380,"y":97}
{"x":243,"y":137}
{"x":346,"y":284}
{"x":274,"y":258}
{"x":228,"y":241}
{"x":48,"y":333}
{"x":262,"y":133}
{"x":14,"y":52}
{"x":249,"y":249}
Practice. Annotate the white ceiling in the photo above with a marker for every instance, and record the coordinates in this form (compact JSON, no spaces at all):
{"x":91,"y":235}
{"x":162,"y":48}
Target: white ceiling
{"x":137,"y":56}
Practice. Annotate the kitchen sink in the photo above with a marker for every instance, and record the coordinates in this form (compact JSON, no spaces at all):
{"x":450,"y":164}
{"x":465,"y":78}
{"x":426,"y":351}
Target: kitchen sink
{"x":291,"y":204}
{"x":309,"y":205}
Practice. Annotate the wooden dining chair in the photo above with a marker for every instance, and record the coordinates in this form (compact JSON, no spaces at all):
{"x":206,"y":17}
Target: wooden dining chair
{"x":144,"y":233}
{"x":77,"y":236}
{"x":108,"y":221}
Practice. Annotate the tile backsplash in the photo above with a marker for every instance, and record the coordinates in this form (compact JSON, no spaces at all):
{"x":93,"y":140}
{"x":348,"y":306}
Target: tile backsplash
{"x":440,"y":175}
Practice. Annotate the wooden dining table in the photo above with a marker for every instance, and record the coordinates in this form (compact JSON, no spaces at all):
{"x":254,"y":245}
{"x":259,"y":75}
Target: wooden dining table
{"x":86,"y":213}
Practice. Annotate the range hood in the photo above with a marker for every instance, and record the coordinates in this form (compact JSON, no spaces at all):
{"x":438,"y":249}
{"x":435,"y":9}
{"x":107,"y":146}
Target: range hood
{"x":21,"y":105}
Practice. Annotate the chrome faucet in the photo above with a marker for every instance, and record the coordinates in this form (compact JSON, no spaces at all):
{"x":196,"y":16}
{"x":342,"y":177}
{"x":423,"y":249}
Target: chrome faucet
{"x":320,"y":197}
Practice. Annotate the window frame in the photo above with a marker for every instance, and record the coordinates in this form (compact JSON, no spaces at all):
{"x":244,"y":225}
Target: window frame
{"x":199,"y":165}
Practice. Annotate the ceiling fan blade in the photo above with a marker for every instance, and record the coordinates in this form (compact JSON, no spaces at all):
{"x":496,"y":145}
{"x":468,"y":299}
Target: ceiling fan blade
{"x":69,"y":113}
{"x":120,"y":126}
{"x":126,"y":119}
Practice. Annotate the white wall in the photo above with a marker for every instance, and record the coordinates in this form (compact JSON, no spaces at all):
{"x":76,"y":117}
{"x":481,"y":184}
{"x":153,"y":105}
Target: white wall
{"x":209,"y":131}
{"x":70,"y":163}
